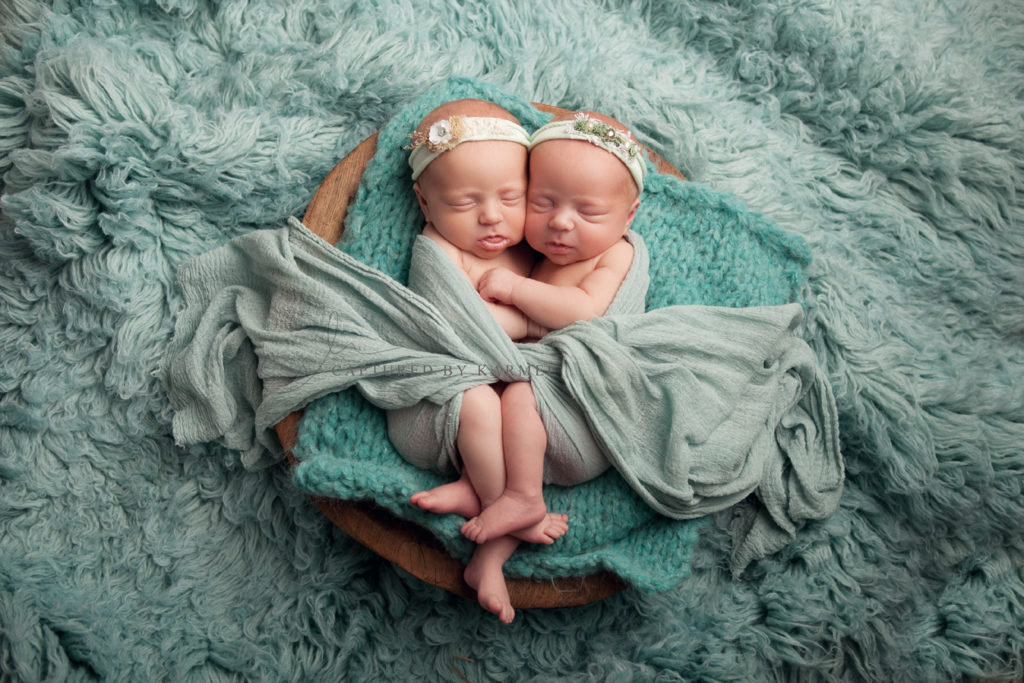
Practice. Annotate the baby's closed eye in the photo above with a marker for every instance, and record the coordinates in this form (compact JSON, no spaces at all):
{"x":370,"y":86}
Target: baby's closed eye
{"x":592,"y":212}
{"x":460,"y":202}
{"x":512,"y":198}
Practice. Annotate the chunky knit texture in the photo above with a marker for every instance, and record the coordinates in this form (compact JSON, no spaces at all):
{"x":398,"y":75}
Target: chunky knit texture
{"x":706,"y":248}
{"x":134,"y":135}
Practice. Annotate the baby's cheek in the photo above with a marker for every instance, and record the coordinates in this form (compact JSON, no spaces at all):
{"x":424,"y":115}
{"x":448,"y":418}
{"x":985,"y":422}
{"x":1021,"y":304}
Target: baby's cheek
{"x":532,"y":228}
{"x":534,"y":218}
{"x":521,"y":215}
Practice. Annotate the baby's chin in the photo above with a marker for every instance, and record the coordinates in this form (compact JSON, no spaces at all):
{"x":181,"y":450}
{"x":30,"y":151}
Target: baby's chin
{"x":560,"y":257}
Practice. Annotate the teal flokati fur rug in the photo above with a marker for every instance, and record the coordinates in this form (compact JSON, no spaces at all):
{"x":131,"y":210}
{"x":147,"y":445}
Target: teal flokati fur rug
{"x":136,"y":135}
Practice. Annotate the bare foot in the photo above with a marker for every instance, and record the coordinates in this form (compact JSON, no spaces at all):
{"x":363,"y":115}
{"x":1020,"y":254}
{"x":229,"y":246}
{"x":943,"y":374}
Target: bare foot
{"x":484,"y":575}
{"x":511,"y":512}
{"x":546,"y":531}
{"x":457,"y":497}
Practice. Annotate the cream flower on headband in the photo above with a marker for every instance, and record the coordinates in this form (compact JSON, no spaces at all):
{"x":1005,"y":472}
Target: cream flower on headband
{"x":440,"y":133}
{"x":441,"y":136}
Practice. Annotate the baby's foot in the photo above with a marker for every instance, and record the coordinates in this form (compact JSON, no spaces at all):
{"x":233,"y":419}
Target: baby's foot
{"x":486,"y":579}
{"x":546,"y":531}
{"x":511,"y":512}
{"x":457,"y":497}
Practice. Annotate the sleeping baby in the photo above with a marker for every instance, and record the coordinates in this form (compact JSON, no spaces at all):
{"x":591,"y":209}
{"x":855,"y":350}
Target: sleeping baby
{"x":586,"y":176}
{"x":469,"y":163}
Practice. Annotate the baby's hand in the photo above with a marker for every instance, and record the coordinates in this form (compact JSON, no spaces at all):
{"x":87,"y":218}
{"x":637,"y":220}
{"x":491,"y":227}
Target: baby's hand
{"x":497,"y":284}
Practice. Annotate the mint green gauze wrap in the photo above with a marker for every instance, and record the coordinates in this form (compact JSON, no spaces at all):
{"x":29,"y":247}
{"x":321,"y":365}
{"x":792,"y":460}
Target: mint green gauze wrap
{"x":696,"y":407}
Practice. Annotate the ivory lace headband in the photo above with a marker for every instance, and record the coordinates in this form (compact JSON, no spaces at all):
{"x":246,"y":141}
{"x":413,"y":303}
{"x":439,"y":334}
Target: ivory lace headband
{"x":446,"y":134}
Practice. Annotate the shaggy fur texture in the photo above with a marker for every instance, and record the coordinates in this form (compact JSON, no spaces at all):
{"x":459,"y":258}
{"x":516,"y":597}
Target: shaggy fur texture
{"x":134,"y":135}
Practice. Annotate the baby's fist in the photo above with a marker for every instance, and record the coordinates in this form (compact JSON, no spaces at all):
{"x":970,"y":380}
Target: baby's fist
{"x":497,"y":284}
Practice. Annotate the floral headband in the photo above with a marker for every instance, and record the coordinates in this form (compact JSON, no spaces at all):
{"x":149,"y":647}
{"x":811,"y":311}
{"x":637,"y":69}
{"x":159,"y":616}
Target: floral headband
{"x":604,"y":135}
{"x":446,"y":134}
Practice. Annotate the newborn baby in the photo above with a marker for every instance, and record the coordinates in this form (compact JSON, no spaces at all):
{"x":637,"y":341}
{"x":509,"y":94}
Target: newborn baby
{"x":586,"y":175}
{"x":469,"y":163}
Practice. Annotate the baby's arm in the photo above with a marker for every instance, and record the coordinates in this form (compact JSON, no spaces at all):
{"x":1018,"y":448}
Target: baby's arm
{"x":514,"y":322}
{"x":555,"y":306}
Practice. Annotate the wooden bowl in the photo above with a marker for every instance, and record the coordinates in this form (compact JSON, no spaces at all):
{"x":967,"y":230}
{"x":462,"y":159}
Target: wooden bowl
{"x":408,"y":545}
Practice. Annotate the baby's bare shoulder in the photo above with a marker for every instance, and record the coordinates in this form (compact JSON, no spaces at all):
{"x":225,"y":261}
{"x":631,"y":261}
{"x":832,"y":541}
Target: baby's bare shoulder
{"x":618,"y":258}
{"x":454,"y":253}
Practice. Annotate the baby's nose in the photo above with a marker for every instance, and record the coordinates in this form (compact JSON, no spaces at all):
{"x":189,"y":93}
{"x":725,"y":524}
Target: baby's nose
{"x":561,"y":220}
{"x":490,"y":213}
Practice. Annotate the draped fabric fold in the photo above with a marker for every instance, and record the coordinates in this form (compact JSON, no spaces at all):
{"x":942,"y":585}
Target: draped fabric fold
{"x":696,"y":407}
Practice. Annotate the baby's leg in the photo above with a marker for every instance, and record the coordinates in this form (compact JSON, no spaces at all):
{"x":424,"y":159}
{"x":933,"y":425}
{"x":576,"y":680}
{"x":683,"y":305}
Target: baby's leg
{"x":484,"y":574}
{"x":480,"y":445}
{"x":483,"y":463}
{"x":521,"y":504}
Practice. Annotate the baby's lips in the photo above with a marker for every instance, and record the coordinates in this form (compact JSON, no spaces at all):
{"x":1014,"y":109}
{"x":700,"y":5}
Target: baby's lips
{"x":494,"y":242}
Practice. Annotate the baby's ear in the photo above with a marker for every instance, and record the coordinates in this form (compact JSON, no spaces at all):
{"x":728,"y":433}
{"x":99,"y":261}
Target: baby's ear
{"x":632,"y":214}
{"x":422,"y":201}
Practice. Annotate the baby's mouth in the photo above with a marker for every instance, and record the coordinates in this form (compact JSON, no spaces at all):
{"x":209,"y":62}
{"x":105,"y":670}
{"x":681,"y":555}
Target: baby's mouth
{"x":558,"y":247}
{"x":494,"y":242}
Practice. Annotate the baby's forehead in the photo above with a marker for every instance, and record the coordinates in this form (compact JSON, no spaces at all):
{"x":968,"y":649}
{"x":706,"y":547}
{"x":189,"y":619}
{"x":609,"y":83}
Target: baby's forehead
{"x":576,"y":156}
{"x":479,"y":162}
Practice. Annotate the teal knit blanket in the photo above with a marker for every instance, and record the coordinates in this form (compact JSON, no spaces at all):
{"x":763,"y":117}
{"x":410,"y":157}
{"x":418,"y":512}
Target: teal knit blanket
{"x":711,"y":433}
